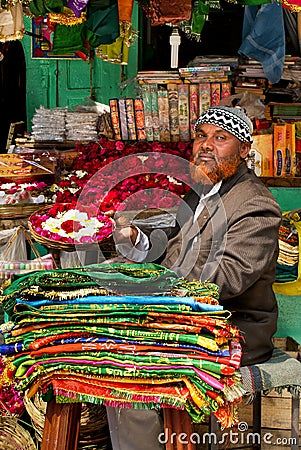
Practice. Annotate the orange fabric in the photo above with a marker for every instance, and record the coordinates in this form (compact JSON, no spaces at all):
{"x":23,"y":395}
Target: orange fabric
{"x":125,"y":10}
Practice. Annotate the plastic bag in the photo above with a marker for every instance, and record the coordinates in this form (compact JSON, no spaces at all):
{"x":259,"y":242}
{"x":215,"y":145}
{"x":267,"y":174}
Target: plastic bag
{"x":13,"y":254}
{"x":13,"y":245}
{"x":250,"y":102}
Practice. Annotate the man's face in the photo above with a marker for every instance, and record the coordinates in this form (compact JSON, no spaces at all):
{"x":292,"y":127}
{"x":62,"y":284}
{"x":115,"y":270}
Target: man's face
{"x":216,"y":153}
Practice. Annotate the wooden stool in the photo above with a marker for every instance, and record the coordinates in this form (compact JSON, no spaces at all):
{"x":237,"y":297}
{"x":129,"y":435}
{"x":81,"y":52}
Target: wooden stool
{"x":62,"y":423}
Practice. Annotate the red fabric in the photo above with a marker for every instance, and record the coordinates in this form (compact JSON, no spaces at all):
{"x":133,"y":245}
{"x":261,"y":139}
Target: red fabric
{"x":292,"y":5}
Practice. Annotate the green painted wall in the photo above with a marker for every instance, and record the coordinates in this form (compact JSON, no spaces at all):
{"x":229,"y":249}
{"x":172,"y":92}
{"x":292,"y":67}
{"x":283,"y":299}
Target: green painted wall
{"x":60,"y":82}
{"x":288,"y":198}
{"x":289,"y":322}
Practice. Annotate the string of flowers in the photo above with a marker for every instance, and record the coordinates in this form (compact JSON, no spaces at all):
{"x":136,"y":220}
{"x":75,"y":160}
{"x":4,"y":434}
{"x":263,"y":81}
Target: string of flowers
{"x":11,"y":399}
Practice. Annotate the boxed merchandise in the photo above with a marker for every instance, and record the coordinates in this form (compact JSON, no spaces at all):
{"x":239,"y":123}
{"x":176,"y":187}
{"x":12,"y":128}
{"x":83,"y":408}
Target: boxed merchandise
{"x":260,"y":157}
{"x":279,"y":149}
{"x":290,"y":150}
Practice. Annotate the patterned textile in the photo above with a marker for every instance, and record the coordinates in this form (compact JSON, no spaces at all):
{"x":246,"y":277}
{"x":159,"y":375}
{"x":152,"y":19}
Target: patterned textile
{"x":233,"y":120}
{"x":288,"y":258}
{"x":77,"y":6}
{"x":132,"y":351}
{"x":288,"y":269}
{"x":280,"y":372}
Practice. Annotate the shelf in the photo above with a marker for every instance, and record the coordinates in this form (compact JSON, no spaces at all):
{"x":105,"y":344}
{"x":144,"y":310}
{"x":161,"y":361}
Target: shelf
{"x":281,"y":181}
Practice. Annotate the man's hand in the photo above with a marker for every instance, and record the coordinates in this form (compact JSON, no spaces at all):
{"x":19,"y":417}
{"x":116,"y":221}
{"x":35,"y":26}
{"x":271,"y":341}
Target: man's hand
{"x":124,"y":231}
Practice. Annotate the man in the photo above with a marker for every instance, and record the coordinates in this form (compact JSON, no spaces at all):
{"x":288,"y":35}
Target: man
{"x":226,"y":231}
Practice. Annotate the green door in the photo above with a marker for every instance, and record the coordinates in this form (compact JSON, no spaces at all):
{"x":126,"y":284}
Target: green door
{"x":54,"y":82}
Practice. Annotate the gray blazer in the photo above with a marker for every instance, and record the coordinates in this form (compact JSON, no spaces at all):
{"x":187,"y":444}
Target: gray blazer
{"x":233,"y":243}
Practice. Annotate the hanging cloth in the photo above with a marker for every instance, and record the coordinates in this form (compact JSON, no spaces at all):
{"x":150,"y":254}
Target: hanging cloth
{"x":173,"y":12}
{"x":77,"y":6}
{"x":125,"y":10}
{"x":67,"y":17}
{"x":43,"y":7}
{"x":69,"y":39}
{"x":294,"y":5}
{"x":118,"y":51}
{"x":264,"y":38}
{"x":103,"y":22}
{"x":11,"y":23}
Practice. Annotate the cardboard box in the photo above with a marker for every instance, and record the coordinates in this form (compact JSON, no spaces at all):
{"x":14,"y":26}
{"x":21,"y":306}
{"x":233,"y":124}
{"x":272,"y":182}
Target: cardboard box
{"x":279,"y":149}
{"x":260,"y":157}
{"x":288,"y":345}
{"x":290,"y":150}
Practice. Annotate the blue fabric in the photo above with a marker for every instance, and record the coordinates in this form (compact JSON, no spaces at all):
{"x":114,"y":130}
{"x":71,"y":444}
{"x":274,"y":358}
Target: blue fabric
{"x":132,"y":299}
{"x":264,"y":38}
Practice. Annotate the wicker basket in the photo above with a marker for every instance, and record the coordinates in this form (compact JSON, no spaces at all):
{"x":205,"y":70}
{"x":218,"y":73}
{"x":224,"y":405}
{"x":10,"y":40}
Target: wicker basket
{"x":106,"y":245}
{"x":17,"y":211}
{"x":13,"y":436}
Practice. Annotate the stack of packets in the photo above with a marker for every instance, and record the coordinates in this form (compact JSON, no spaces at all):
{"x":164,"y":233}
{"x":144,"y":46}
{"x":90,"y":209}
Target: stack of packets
{"x":81,"y":126}
{"x":122,"y":335}
{"x":49,"y":124}
{"x":60,"y":124}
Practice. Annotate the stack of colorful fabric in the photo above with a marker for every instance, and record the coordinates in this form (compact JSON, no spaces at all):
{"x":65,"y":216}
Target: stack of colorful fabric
{"x":287,"y":262}
{"x":126,"y":335}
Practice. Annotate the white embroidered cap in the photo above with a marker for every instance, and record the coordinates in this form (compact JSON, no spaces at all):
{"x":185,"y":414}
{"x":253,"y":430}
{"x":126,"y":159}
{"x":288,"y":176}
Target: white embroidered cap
{"x":234,"y":120}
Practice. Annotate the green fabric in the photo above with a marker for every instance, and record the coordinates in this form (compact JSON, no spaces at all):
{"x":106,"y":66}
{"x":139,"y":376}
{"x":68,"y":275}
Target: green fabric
{"x":131,"y":275}
{"x":110,"y":359}
{"x":93,"y":39}
{"x":286,"y":273}
{"x":101,"y":4}
{"x":107,"y":369}
{"x":42,"y":7}
{"x":103,"y":23}
{"x":200,"y":13}
{"x":136,"y":333}
{"x":68,"y":39}
{"x":41,"y":249}
{"x":117,"y":52}
{"x":120,"y":278}
{"x":80,"y":311}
